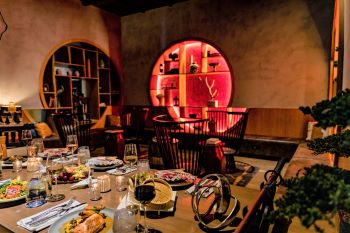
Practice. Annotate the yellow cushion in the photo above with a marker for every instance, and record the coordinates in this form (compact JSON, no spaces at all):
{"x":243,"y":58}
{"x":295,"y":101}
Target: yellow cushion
{"x":43,"y":130}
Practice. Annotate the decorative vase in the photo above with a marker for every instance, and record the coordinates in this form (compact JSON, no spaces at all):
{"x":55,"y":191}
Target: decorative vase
{"x":213,"y":103}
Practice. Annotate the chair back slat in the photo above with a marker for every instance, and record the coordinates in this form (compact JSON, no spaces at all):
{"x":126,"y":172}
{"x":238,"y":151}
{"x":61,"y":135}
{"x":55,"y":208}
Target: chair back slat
{"x":181,"y":143}
{"x":68,"y":124}
{"x":228,"y":126}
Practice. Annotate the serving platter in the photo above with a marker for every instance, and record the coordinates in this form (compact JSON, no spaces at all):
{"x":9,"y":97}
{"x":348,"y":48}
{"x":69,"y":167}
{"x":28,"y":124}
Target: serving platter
{"x":104,"y":163}
{"x":58,"y":226}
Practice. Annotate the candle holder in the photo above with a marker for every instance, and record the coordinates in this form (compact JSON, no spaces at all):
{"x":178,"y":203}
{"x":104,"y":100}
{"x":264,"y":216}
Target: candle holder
{"x":105,"y":183}
{"x":94,"y":190}
{"x":17,"y":165}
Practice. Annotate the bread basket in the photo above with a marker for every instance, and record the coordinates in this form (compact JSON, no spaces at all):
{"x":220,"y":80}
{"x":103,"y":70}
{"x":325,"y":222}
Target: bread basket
{"x":163,"y":196}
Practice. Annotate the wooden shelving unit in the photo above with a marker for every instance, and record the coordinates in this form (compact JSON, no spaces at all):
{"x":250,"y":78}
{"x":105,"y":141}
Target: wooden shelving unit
{"x":173,"y":78}
{"x":79,"y":77}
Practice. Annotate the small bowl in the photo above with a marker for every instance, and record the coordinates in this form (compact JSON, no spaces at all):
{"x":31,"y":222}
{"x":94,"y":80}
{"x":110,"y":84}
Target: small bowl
{"x":163,"y":196}
{"x":193,"y":115}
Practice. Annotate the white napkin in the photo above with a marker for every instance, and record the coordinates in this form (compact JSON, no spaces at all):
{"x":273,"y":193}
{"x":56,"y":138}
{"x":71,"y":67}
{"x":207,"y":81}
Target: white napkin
{"x":127,"y":200}
{"x":24,"y":221}
{"x":4,"y":181}
{"x":81,"y":184}
{"x":121,"y":170}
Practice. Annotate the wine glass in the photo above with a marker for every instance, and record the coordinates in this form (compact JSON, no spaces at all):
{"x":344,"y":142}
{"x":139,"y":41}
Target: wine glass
{"x":72,"y":143}
{"x":130,"y":154}
{"x":54,"y":166}
{"x":3,"y":118}
{"x":20,"y":117}
{"x":11,"y":117}
{"x":144,"y":192}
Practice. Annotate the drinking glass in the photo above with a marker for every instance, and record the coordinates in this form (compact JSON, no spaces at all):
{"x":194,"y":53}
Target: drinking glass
{"x":3,"y":119}
{"x":2,"y":149}
{"x":72,"y":143}
{"x":11,"y":117}
{"x":124,"y":220}
{"x":38,"y":144}
{"x":54,"y":166}
{"x":83,"y":155}
{"x":144,"y":194}
{"x":130,"y":154}
{"x":26,"y":136}
{"x":36,"y":191}
{"x":20,"y":117}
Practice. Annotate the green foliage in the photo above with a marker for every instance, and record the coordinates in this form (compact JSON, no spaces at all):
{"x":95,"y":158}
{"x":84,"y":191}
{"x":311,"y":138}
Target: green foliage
{"x":332,"y":112}
{"x":317,"y":195}
{"x":337,"y":144}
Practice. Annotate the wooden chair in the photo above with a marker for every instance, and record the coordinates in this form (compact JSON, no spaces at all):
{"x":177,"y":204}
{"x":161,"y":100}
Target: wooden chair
{"x":133,"y":123}
{"x":68,"y":124}
{"x":181,"y":143}
{"x":229,"y":127}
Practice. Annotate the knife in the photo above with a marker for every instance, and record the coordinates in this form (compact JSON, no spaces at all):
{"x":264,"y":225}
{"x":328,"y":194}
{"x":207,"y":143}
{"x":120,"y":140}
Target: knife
{"x":37,"y":223}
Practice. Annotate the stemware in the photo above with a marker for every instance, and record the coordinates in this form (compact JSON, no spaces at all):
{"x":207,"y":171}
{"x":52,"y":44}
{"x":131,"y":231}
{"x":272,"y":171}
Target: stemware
{"x":130,"y":154}
{"x":11,"y":117}
{"x":54,"y":166}
{"x":144,"y":192}
{"x":3,"y":118}
{"x":72,"y":143}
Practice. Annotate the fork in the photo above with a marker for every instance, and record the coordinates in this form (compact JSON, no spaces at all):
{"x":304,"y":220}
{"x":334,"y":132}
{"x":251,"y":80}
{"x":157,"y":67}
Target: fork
{"x":55,"y":209}
{"x":59,"y":214}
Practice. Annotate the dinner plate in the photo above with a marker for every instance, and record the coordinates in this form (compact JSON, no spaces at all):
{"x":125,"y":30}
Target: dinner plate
{"x":103,"y":168}
{"x":104,"y":163}
{"x":177,"y":179}
{"x":58,"y":225}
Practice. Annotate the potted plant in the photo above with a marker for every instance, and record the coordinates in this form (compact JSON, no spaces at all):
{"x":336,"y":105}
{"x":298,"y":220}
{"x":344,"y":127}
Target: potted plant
{"x":322,"y":191}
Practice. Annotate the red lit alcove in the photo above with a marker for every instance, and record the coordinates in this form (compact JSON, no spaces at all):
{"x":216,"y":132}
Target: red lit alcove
{"x":184,"y":90}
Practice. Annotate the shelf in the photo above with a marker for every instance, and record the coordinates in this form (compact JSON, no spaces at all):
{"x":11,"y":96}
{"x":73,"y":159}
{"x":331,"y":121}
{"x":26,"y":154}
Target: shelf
{"x":67,"y":64}
{"x":103,"y":68}
{"x":64,"y":108}
{"x":101,"y":93}
{"x":85,"y":78}
{"x":49,"y":92}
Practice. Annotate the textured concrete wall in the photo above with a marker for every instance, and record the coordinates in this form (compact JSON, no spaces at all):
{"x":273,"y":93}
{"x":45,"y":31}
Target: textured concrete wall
{"x":279,"y":50}
{"x":35,"y":28}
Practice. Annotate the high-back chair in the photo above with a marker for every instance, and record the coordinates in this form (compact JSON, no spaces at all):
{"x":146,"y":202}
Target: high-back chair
{"x":229,"y":127}
{"x":181,"y":143}
{"x":133,"y":123}
{"x":68,"y":124}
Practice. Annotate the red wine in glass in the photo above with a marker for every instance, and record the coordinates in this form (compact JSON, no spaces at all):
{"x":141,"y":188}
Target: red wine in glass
{"x":145,"y":193}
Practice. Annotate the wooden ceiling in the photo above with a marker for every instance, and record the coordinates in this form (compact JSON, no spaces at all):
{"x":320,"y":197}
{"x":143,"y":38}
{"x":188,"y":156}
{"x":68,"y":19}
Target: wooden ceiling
{"x":128,"y":7}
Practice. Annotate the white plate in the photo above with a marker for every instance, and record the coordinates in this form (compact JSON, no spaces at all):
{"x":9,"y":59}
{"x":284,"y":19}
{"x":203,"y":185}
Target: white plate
{"x":56,"y":226}
{"x":110,"y":161}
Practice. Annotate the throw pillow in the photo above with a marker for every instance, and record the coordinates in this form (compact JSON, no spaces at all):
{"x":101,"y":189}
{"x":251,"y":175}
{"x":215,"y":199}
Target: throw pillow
{"x":113,"y":121}
{"x":43,"y":130}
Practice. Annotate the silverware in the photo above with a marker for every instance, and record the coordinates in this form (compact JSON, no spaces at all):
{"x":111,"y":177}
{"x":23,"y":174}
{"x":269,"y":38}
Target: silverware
{"x":55,"y":209}
{"x":59,"y":214}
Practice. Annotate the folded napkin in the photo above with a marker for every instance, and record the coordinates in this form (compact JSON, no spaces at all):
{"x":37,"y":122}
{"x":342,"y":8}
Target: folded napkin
{"x":81,"y":184}
{"x":24,"y":221}
{"x":121,"y":170}
{"x":128,"y":200}
{"x":4,"y":181}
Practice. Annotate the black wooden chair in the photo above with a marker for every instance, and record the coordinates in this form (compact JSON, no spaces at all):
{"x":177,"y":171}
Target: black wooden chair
{"x":181,"y":143}
{"x":68,"y":124}
{"x":229,"y":127}
{"x":133,"y":123}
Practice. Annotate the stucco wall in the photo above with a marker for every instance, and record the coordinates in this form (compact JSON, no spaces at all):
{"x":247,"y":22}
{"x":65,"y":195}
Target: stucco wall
{"x":278,"y":49}
{"x":35,"y":28}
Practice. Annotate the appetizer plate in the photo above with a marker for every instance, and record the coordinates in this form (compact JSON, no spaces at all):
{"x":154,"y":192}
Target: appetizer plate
{"x":58,"y":226}
{"x":11,"y":202}
{"x":177,"y":179}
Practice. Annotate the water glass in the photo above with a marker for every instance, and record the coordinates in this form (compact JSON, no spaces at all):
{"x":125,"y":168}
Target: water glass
{"x":3,"y":119}
{"x":26,"y":135}
{"x":124,"y":221}
{"x":38,"y":144}
{"x":94,"y":190}
{"x":83,"y":155}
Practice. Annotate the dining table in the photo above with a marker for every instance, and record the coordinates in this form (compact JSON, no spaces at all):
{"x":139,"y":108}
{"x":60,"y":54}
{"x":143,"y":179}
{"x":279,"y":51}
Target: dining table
{"x":181,"y":220}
